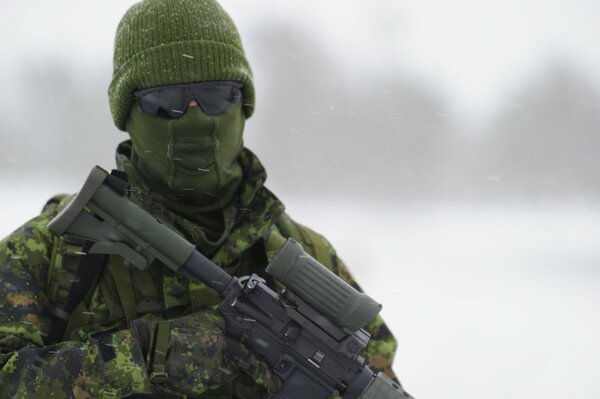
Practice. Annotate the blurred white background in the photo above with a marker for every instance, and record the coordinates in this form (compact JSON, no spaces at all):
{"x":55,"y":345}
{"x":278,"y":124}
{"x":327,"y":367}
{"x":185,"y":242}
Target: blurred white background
{"x":449,"y":150}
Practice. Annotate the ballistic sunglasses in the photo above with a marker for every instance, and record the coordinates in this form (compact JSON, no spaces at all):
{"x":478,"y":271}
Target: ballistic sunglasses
{"x":171,"y":101}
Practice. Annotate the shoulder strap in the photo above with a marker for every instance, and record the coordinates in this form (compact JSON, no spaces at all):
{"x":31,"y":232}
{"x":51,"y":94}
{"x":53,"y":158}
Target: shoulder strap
{"x":88,"y":270}
{"x":122,"y":277}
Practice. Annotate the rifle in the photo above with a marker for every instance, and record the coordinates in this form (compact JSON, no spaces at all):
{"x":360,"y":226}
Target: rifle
{"x":310,"y":335}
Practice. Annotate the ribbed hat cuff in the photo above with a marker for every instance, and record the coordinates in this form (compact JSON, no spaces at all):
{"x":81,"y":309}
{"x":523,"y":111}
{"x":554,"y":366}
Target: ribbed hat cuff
{"x":175,"y":63}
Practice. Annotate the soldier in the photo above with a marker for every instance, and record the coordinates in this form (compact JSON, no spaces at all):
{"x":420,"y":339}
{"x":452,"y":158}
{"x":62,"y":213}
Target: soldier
{"x":182,"y":88}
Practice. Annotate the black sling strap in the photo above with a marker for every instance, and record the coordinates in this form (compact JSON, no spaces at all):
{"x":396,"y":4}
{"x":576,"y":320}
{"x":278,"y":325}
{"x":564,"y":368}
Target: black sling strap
{"x":260,"y":261}
{"x":88,"y":270}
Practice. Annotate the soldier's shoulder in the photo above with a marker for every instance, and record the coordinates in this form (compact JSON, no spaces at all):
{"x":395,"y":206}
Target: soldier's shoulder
{"x":36,"y":229}
{"x":30,"y":248}
{"x":314,"y":243}
{"x":56,"y":203}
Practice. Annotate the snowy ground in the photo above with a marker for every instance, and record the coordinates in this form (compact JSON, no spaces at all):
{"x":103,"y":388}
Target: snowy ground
{"x":486,"y":302}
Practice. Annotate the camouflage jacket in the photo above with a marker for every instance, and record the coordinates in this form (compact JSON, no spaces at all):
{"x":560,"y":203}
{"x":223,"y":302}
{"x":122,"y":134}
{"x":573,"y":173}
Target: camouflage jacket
{"x":37,"y":269}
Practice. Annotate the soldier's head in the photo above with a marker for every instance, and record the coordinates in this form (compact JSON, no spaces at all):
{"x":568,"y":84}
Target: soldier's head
{"x":174,"y":42}
{"x":171,"y":55}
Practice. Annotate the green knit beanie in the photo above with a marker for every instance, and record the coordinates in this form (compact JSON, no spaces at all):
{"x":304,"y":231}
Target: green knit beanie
{"x":161,"y":42}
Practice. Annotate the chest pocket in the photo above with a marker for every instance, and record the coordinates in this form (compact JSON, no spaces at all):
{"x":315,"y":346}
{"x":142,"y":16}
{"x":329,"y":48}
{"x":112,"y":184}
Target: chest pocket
{"x":122,"y":293}
{"x":158,"y":291}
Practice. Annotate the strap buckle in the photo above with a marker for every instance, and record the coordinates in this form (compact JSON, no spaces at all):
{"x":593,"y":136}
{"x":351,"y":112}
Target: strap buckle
{"x":158,"y":377}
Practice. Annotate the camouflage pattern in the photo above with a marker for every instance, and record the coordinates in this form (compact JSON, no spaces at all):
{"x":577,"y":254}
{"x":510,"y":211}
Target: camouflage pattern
{"x":29,"y":367}
{"x":100,"y":355}
{"x":199,"y":359}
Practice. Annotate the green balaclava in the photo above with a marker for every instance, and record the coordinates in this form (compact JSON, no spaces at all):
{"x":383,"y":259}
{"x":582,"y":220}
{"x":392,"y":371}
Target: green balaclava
{"x":190,"y":161}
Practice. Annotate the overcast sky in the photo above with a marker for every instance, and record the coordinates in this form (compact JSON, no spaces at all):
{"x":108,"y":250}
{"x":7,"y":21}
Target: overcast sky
{"x":475,"y":52}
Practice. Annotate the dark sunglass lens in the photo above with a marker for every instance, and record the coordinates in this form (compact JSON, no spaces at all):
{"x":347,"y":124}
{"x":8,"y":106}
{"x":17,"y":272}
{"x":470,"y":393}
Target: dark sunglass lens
{"x":149,"y":103}
{"x":219,"y":98}
{"x":173,"y":101}
{"x":167,"y":102}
